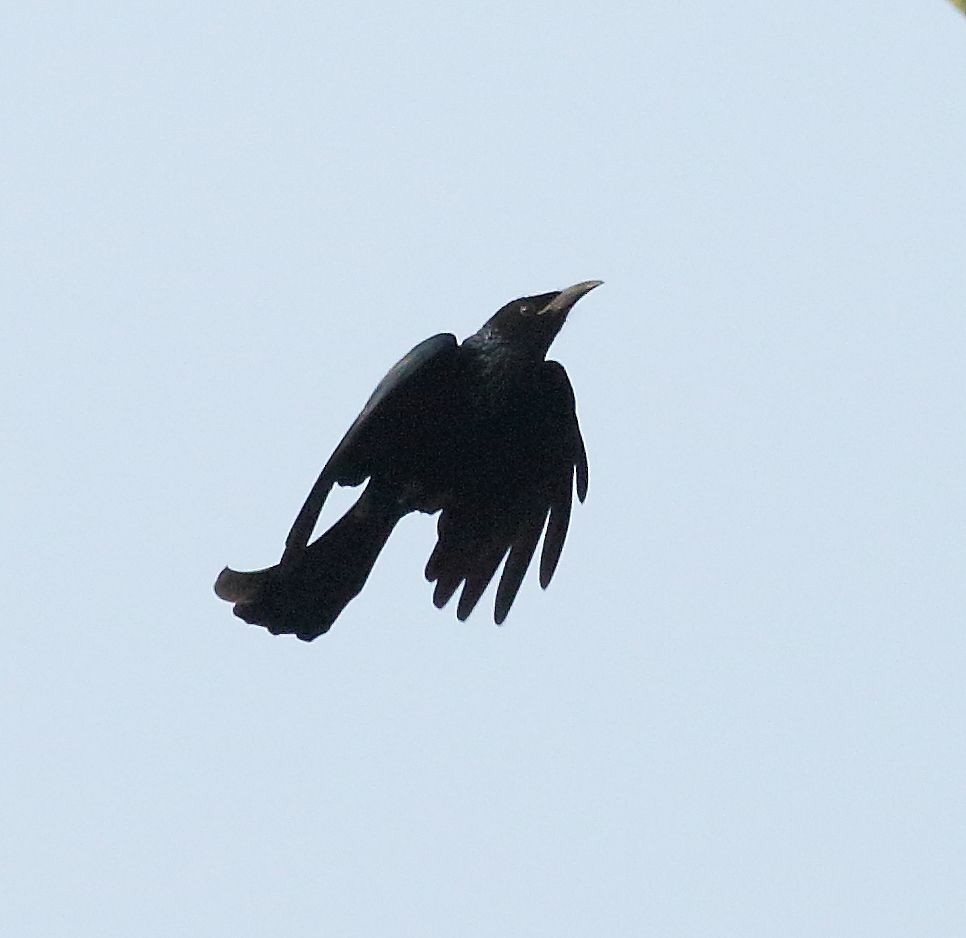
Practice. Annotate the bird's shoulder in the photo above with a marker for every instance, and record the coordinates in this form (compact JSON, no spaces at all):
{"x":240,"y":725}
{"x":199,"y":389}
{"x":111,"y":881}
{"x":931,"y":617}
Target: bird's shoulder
{"x":418,"y":378}
{"x":420,"y":361}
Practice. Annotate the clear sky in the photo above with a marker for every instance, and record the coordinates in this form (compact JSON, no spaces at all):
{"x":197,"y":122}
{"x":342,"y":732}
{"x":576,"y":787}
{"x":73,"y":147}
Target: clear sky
{"x":740,"y":708}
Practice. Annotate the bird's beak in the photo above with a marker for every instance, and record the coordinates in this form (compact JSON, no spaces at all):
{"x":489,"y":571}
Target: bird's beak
{"x":565,"y":299}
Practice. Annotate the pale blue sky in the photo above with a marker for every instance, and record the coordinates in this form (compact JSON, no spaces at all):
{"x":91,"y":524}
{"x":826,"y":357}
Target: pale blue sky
{"x":740,"y":708}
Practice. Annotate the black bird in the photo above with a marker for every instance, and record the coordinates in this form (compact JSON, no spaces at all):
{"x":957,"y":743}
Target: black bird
{"x":484,"y":432}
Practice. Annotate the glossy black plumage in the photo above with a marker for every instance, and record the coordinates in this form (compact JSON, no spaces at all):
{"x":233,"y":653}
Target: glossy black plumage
{"x":484,"y":432}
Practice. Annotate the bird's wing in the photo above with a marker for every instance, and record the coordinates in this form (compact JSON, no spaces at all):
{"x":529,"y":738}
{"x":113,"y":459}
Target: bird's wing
{"x":502,"y":515}
{"x":423,"y":367}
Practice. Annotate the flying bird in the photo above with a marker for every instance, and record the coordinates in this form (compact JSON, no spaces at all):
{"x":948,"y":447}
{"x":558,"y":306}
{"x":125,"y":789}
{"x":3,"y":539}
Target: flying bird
{"x":484,"y":432}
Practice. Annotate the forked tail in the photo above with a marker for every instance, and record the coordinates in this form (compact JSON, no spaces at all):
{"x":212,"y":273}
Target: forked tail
{"x":305,"y":594}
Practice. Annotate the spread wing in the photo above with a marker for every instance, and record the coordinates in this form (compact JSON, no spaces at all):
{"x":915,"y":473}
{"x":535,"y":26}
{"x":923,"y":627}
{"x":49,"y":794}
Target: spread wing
{"x":395,"y":396}
{"x":500,"y":509}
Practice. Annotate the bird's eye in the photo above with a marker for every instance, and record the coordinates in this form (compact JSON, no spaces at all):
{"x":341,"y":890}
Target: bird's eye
{"x":525,"y":309}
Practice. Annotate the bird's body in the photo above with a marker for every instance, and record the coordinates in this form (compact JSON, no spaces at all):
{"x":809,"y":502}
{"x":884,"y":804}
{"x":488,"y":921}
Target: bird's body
{"x":484,"y":432}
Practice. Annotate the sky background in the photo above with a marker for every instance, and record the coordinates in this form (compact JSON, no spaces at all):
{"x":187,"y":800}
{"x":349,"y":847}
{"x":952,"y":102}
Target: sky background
{"x":740,"y":708}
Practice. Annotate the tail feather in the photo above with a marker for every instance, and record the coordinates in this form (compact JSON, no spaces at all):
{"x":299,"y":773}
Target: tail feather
{"x":306,"y":594}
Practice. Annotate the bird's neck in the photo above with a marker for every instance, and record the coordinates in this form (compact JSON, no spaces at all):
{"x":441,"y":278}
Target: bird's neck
{"x":498,"y":369}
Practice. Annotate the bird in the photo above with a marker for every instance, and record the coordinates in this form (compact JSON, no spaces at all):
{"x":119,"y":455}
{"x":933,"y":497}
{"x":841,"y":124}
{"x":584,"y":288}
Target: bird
{"x":484,"y":432}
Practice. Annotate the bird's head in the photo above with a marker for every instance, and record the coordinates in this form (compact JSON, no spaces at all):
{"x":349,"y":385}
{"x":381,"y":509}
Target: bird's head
{"x":536,"y":320}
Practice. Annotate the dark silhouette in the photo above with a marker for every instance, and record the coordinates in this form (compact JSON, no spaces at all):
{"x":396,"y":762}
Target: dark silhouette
{"x":484,"y":432}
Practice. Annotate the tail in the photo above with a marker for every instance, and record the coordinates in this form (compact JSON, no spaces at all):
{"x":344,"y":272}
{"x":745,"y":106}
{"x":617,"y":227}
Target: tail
{"x":305,"y":594}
